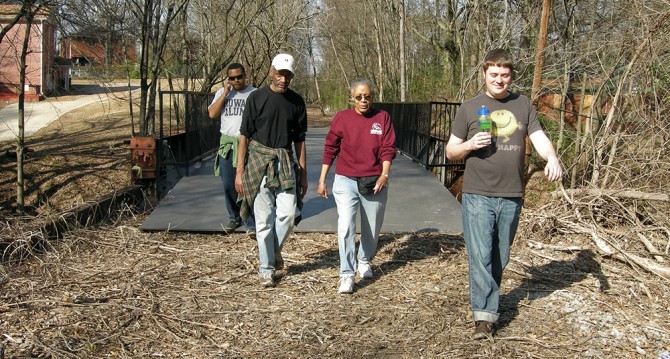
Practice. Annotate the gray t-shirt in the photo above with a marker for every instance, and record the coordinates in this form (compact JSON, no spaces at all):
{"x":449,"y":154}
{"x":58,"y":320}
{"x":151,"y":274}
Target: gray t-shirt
{"x":497,"y":170}
{"x":233,"y":108}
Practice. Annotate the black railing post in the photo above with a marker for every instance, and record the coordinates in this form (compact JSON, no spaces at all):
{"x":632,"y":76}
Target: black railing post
{"x":187,"y":131}
{"x":159,"y":147}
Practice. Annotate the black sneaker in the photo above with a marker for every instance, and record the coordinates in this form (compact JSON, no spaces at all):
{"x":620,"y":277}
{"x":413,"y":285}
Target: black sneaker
{"x":232,"y":226}
{"x":483,"y":330}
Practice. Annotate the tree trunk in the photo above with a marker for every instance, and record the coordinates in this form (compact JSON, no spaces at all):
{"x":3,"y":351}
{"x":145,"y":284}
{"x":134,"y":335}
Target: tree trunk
{"x":563,"y":109}
{"x":541,"y":47}
{"x":130,"y":91}
{"x":20,"y":144}
{"x":316,"y":76}
{"x":578,"y":135}
{"x":20,"y":140}
{"x":146,"y":17}
{"x":401,"y":44}
{"x":14,"y":21}
{"x":611,"y":156}
{"x":337,"y":57}
{"x":380,"y":58}
{"x":184,"y":51}
{"x":539,"y":65}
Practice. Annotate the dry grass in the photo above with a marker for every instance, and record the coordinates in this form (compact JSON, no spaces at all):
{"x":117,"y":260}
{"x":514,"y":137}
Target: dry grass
{"x":121,"y":292}
{"x":76,"y":158}
{"x":115,"y":291}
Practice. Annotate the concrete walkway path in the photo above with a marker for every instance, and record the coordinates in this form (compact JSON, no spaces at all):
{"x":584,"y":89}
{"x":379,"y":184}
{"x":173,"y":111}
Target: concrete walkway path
{"x":41,"y":114}
{"x":417,"y":201}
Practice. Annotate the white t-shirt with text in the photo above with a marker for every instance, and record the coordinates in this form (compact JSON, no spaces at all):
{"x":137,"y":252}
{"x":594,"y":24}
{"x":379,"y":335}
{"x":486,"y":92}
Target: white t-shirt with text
{"x":233,"y":108}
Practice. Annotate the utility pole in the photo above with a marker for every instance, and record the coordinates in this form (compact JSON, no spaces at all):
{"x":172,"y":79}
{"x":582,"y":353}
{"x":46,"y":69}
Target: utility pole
{"x":403,"y":81}
{"x":539,"y":65}
{"x":541,"y":47}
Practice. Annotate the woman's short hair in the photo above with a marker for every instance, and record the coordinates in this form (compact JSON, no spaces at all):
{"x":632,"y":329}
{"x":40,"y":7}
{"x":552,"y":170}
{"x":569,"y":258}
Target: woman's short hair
{"x":361,"y":81}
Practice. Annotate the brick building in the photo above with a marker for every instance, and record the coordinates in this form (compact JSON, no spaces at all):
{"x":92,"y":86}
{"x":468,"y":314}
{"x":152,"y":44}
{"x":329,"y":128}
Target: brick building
{"x":91,"y":50}
{"x":41,"y":74}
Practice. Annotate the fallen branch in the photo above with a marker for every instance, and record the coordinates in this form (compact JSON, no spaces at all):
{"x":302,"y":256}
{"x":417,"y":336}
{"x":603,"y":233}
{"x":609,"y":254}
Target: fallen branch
{"x":613,"y":251}
{"x":538,"y":245}
{"x":613,"y":193}
{"x":650,"y":246}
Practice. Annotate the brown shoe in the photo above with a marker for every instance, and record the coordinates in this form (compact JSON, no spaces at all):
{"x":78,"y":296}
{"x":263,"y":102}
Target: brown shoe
{"x":279,"y":261}
{"x":483,"y":330}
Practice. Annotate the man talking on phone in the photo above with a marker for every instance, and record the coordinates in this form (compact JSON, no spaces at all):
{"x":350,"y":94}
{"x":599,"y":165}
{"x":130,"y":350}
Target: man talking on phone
{"x":228,"y":104}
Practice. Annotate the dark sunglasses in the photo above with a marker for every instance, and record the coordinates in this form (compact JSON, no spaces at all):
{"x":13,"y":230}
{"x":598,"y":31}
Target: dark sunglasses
{"x":233,"y":78}
{"x":361,"y":97}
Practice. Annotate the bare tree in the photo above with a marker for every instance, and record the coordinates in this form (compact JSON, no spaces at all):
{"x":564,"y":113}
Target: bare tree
{"x":26,"y":16}
{"x":401,"y":45}
{"x":107,"y":22}
{"x":155,"y":18}
{"x":30,"y":11}
{"x":19,"y":15}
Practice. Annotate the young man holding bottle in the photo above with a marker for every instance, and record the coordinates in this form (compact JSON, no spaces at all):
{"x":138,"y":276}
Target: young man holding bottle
{"x":493,"y":184}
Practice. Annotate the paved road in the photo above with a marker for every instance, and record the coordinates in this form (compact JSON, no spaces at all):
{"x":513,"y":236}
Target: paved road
{"x":40,"y":114}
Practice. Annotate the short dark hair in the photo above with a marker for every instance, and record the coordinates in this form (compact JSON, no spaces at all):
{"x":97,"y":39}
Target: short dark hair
{"x":498,"y":57}
{"x":236,"y":65}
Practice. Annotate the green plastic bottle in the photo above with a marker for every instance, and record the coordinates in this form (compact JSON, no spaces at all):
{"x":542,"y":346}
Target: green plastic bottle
{"x":484,"y":120}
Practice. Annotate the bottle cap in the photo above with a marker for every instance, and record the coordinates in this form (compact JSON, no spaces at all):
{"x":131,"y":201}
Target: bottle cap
{"x":483,"y":111}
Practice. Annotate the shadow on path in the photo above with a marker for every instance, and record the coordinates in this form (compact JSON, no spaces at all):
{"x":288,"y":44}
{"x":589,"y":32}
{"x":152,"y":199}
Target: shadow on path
{"x":548,"y":278}
{"x":413,"y":249}
{"x":96,"y":89}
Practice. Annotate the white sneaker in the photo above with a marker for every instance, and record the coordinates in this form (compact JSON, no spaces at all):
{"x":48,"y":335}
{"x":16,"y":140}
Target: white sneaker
{"x":267,"y":279}
{"x":364,"y":270}
{"x":346,"y":285}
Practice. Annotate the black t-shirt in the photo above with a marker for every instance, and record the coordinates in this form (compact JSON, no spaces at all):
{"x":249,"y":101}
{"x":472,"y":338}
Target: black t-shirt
{"x":275,"y":119}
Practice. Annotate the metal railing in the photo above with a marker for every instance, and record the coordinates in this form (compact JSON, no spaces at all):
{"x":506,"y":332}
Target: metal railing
{"x":186,"y":133}
{"x":422,"y":131}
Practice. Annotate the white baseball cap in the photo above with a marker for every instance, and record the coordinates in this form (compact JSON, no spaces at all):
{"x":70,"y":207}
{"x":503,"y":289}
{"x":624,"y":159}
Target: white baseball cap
{"x":283,"y":62}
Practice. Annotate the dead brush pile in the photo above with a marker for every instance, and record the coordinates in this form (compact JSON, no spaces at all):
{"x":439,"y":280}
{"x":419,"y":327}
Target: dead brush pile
{"x":116,"y":291}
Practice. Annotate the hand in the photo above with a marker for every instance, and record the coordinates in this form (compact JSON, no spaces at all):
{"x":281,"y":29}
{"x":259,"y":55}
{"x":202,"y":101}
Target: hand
{"x":382,"y":182}
{"x":238,"y":183}
{"x":480,"y":140}
{"x":303,"y":184}
{"x":553,"y":170}
{"x":322,"y":190}
{"x":227,"y":85}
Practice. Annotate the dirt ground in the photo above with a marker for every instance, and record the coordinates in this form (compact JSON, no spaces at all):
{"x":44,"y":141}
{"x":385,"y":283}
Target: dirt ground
{"x":115,"y":291}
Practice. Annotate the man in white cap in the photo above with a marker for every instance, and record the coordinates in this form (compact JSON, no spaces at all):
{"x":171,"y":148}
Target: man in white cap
{"x":269,"y":180}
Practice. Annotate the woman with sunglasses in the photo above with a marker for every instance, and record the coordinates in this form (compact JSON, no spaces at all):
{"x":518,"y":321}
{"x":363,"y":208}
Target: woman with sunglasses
{"x":363,"y":141}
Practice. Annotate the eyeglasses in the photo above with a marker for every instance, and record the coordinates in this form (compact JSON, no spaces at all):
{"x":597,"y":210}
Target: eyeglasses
{"x":233,"y":78}
{"x":361,"y":97}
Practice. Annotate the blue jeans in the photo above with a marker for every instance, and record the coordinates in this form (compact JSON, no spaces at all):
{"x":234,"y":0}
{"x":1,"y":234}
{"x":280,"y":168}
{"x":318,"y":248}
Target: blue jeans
{"x":349,"y":200}
{"x":489,"y":226}
{"x":227,"y":173}
{"x":274,"y":212}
